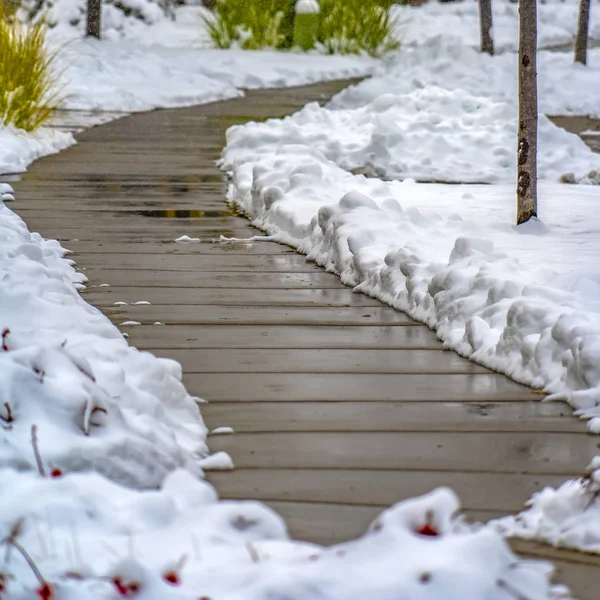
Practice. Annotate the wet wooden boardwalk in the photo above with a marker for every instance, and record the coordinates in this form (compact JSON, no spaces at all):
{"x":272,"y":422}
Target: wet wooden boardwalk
{"x":341,"y":405}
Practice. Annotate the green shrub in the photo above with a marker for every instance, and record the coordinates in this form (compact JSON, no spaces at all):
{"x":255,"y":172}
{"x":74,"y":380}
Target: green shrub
{"x":352,"y":26}
{"x":28,"y":79}
{"x":346,"y":26}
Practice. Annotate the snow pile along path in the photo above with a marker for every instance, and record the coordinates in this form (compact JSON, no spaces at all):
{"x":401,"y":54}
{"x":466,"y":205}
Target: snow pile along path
{"x":97,"y":403}
{"x":129,"y":76}
{"x":19,"y":148}
{"x":429,"y":134}
{"x":100,"y":479}
{"x":509,"y":298}
{"x":444,"y":61}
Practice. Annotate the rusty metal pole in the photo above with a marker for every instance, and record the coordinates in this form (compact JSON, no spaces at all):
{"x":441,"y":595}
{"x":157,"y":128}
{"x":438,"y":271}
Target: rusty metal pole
{"x":528,"y":113}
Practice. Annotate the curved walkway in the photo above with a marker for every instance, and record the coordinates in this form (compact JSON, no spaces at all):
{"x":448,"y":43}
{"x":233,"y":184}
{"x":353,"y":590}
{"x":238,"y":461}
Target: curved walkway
{"x":341,"y":405}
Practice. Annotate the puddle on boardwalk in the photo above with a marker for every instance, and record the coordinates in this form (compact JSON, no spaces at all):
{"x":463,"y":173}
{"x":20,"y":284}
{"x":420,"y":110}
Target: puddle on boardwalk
{"x":184,"y":214}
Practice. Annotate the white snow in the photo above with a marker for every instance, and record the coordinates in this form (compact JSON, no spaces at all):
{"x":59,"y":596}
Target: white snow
{"x":116,"y":506}
{"x":220,"y":461}
{"x":520,"y":300}
{"x":565,"y":517}
{"x":564,"y":88}
{"x":186,"y":239}
{"x":430,"y":134}
{"x":222,"y":431}
{"x":557,"y":22}
{"x":97,"y":404}
{"x":19,"y":148}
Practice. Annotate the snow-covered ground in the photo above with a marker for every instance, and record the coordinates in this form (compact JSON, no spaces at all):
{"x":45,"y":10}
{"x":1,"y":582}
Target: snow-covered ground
{"x":101,"y":489}
{"x":557,"y":22}
{"x":521,"y":300}
{"x":566,"y":517}
{"x":159,"y":63}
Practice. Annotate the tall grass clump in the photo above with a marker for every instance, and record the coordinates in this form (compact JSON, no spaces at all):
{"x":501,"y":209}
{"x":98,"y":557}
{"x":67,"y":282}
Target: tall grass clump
{"x":346,"y":26}
{"x":28,"y":79}
{"x":355,"y":26}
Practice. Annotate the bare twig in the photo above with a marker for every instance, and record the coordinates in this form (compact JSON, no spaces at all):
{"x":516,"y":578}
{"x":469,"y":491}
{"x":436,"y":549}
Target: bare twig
{"x":13,"y":542}
{"x":36,"y":451}
{"x":4,"y":335}
{"x":9,"y":416}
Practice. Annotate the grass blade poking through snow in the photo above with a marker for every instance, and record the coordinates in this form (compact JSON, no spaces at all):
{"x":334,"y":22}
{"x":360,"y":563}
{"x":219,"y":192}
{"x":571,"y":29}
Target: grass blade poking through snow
{"x":28,"y":80}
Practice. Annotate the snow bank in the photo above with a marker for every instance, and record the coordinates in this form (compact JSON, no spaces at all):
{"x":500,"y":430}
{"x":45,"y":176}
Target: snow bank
{"x":19,"y":148}
{"x":100,"y":488}
{"x":93,"y":539}
{"x":557,"y":22}
{"x":565,"y":517}
{"x":444,"y":61}
{"x":97,"y":404}
{"x":523,"y":301}
{"x":127,"y":76}
{"x":429,"y":134}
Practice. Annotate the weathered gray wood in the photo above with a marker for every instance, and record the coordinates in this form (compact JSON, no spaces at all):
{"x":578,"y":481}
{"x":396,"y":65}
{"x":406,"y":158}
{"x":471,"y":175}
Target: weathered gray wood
{"x":259,"y":315}
{"x":283,"y":336}
{"x":281,"y":416}
{"x":191,"y":279}
{"x":322,"y":361}
{"x":106,"y":297}
{"x":551,"y":453}
{"x":297,"y":387}
{"x":502,"y":492}
{"x":329,"y":523}
{"x":294,"y":263}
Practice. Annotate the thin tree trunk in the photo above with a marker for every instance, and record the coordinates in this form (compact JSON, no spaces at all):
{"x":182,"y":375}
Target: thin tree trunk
{"x":94,"y":9}
{"x":485,"y":21}
{"x":528,"y":112}
{"x":581,"y":42}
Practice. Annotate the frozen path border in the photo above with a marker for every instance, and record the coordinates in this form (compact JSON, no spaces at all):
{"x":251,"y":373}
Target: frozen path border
{"x":340,"y":404}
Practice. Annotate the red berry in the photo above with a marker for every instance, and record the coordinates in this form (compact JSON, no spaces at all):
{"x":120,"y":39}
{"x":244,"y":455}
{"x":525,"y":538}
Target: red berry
{"x":171,"y":577}
{"x":122,"y":589}
{"x":428,"y":530}
{"x":56,"y":472}
{"x":45,"y":591}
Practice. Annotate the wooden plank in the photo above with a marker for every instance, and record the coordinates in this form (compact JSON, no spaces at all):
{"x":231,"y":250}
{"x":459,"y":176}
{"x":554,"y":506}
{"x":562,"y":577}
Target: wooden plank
{"x":578,"y":570}
{"x":184,"y":314}
{"x":281,"y":416}
{"x":190,"y":279}
{"x":354,"y":387}
{"x":322,"y":361}
{"x":106,"y":297}
{"x":282,"y":336}
{"x":556,"y":453}
{"x":328,"y":524}
{"x":497,"y":492}
{"x":287,"y":263}
{"x":84,"y":248}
